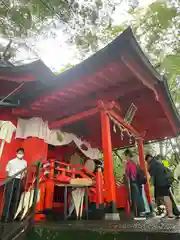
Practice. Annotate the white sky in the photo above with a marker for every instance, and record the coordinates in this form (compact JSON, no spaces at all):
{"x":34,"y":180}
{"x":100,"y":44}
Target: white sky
{"x":56,"y":53}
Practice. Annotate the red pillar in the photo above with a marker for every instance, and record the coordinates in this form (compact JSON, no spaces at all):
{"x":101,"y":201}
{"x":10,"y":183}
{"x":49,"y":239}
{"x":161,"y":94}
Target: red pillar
{"x":40,"y":205}
{"x":99,"y":188}
{"x":108,"y":160}
{"x":144,"y":167}
{"x":42,"y":196}
{"x":50,"y":187}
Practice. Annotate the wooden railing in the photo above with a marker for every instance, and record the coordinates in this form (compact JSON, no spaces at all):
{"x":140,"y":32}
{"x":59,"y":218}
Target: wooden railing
{"x":14,"y":203}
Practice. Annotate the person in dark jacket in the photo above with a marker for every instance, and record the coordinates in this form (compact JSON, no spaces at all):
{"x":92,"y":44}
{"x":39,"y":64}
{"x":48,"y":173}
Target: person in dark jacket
{"x":162,"y":182}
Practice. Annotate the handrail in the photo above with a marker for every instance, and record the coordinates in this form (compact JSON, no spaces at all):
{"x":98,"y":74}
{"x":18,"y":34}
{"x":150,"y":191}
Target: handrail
{"x":73,"y":168}
{"x":20,"y":172}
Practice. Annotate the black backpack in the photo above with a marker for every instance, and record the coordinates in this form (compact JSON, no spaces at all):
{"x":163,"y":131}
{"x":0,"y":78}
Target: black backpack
{"x":140,"y":176}
{"x":169,"y":176}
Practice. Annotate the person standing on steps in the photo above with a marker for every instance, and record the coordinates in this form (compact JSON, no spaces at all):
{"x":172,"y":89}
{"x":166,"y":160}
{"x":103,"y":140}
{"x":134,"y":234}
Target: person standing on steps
{"x":132,"y":171}
{"x":13,"y":188}
{"x":162,"y":180}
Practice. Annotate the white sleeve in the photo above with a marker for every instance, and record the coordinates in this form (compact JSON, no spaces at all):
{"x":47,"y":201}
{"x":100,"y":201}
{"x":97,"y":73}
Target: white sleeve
{"x":25,"y":164}
{"x":8,"y":167}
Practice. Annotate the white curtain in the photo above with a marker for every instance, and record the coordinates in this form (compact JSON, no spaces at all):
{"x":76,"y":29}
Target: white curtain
{"x":36,"y":127}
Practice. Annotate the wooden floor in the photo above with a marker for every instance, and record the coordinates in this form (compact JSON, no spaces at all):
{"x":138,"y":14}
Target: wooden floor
{"x":154,"y":229}
{"x":150,"y":225}
{"x":107,"y":230}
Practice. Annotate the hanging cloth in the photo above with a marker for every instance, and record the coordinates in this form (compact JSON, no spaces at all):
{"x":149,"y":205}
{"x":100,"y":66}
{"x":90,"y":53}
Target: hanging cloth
{"x":36,"y":127}
{"x":6,"y":131}
{"x":146,"y":204}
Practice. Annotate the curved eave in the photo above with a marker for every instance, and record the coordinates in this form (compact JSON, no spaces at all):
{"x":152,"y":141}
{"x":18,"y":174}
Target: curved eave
{"x":97,"y":61}
{"x":137,"y":52}
{"x":35,"y":76}
{"x":23,"y":68}
{"x":37,"y":70}
{"x":125,"y":43}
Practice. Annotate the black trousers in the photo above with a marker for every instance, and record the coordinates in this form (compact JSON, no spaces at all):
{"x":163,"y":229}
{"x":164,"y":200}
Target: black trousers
{"x":11,"y":200}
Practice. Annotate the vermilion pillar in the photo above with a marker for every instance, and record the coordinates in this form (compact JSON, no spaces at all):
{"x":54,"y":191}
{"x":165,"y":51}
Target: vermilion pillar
{"x":99,"y":188}
{"x":144,"y":167}
{"x":108,"y":159}
{"x":50,"y":187}
{"x":40,"y":205}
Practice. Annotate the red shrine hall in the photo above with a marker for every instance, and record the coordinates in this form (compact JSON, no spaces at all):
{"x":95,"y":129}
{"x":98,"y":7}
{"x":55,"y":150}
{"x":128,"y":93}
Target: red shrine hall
{"x":112,"y":100}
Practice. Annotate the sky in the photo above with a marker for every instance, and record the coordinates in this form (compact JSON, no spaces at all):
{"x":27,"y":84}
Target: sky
{"x":56,"y":52}
{"x":66,"y":54}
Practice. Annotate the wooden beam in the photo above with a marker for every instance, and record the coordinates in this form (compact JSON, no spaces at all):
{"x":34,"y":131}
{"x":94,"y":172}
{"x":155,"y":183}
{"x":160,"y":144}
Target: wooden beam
{"x":9,"y":104}
{"x":50,"y":111}
{"x":21,"y":78}
{"x":74,"y":118}
{"x":106,"y":94}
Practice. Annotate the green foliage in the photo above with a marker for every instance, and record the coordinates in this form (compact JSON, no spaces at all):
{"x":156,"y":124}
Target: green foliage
{"x":161,"y":14}
{"x":157,"y":31}
{"x":81,"y":20}
{"x":170,"y":64}
{"x":22,"y":18}
{"x":65,"y":68}
{"x":152,"y":27}
{"x":118,"y":165}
